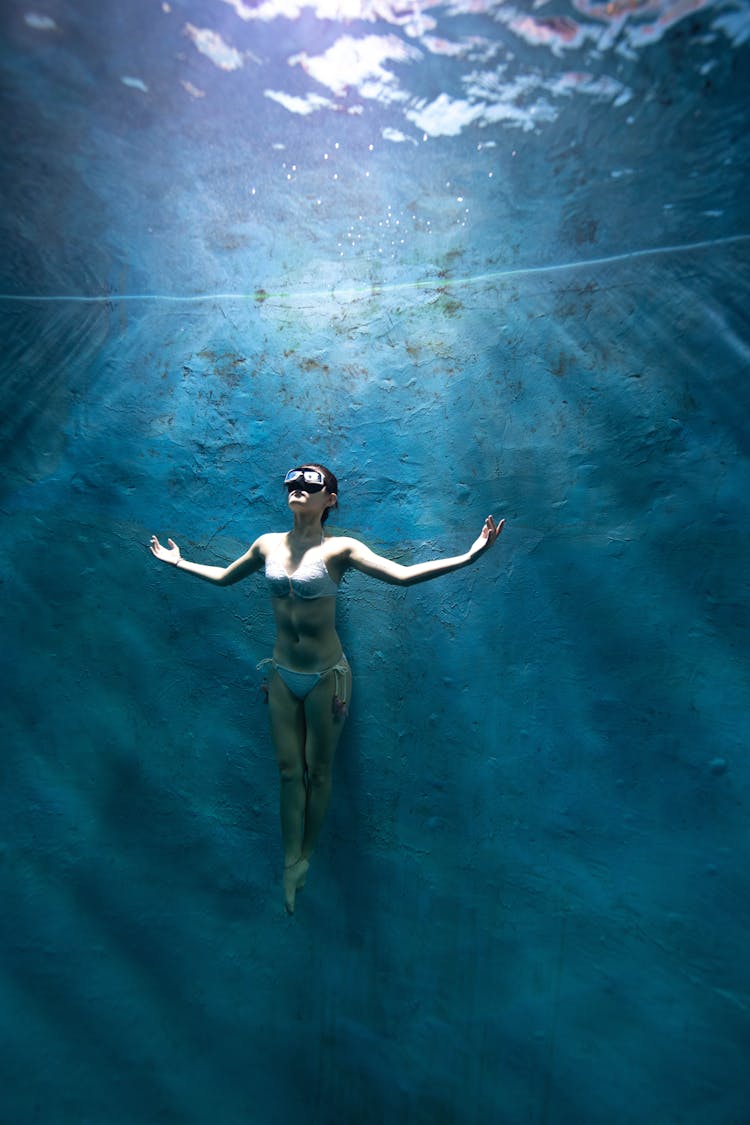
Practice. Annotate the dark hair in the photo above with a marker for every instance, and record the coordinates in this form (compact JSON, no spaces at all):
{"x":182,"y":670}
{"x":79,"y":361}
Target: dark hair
{"x":332,"y":485}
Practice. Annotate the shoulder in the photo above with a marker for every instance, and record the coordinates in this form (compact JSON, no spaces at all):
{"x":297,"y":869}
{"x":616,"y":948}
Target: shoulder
{"x":350,"y":552}
{"x":341,"y":547}
{"x":267,"y":543}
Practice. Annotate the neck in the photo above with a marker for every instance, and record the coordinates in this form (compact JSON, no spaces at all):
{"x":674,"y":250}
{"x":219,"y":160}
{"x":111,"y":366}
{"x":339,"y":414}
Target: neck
{"x":307,"y":528}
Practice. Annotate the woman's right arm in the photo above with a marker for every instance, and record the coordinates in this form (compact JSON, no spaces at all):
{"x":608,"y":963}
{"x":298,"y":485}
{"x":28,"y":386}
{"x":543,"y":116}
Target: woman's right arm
{"x":246,"y":564}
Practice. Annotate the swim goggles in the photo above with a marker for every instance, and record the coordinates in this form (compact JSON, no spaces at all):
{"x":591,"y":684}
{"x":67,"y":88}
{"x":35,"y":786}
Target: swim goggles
{"x":306,"y":480}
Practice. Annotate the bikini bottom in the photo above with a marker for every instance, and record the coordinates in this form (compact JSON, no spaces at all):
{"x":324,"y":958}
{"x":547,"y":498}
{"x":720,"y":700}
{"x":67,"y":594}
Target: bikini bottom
{"x":301,"y":684}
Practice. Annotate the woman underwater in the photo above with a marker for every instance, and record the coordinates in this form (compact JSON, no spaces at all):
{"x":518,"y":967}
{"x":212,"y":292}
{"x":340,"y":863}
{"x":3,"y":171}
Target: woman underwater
{"x":310,"y":683}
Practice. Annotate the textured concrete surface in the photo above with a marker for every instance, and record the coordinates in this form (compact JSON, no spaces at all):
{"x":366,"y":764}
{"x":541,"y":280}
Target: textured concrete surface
{"x":530,"y":903}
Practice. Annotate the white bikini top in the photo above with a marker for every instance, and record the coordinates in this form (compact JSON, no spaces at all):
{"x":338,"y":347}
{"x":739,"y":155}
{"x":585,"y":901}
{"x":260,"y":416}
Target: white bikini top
{"x":310,"y":580}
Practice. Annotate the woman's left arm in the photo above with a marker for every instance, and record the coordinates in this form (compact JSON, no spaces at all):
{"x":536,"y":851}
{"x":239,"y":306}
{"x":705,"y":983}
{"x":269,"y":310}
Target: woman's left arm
{"x":360,"y":557}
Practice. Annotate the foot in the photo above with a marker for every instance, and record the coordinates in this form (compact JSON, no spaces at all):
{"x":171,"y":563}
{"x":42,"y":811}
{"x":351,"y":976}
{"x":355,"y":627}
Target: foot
{"x":295,"y":877}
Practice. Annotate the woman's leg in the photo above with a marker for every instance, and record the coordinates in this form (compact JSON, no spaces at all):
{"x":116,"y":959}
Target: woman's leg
{"x":288,"y":736}
{"x":324,"y":727}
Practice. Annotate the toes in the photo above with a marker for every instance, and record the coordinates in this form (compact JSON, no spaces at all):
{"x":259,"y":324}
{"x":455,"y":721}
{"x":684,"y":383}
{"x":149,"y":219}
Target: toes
{"x":295,"y":877}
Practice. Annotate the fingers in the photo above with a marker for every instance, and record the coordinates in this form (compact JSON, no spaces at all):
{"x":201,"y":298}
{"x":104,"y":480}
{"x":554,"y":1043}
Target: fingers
{"x":491,"y":530}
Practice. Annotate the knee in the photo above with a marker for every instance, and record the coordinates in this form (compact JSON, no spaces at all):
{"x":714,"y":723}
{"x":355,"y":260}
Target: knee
{"x":291,"y":771}
{"x":320,"y":776}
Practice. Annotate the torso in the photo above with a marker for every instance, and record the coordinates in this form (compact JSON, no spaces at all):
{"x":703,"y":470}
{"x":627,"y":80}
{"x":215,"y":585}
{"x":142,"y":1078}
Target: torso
{"x":303,"y":583}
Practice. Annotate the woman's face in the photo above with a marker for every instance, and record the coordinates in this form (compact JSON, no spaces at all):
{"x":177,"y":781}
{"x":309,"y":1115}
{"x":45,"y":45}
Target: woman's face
{"x":303,"y":496}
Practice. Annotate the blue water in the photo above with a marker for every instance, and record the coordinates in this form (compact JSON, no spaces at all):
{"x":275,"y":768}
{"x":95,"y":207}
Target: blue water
{"x":477,"y":257}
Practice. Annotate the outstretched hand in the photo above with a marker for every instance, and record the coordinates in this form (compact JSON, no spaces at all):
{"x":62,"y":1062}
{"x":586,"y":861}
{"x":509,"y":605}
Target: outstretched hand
{"x":169,"y":554}
{"x":488,"y":535}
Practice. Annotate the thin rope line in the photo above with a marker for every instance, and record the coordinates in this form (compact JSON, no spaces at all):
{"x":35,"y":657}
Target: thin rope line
{"x":374,"y":287}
